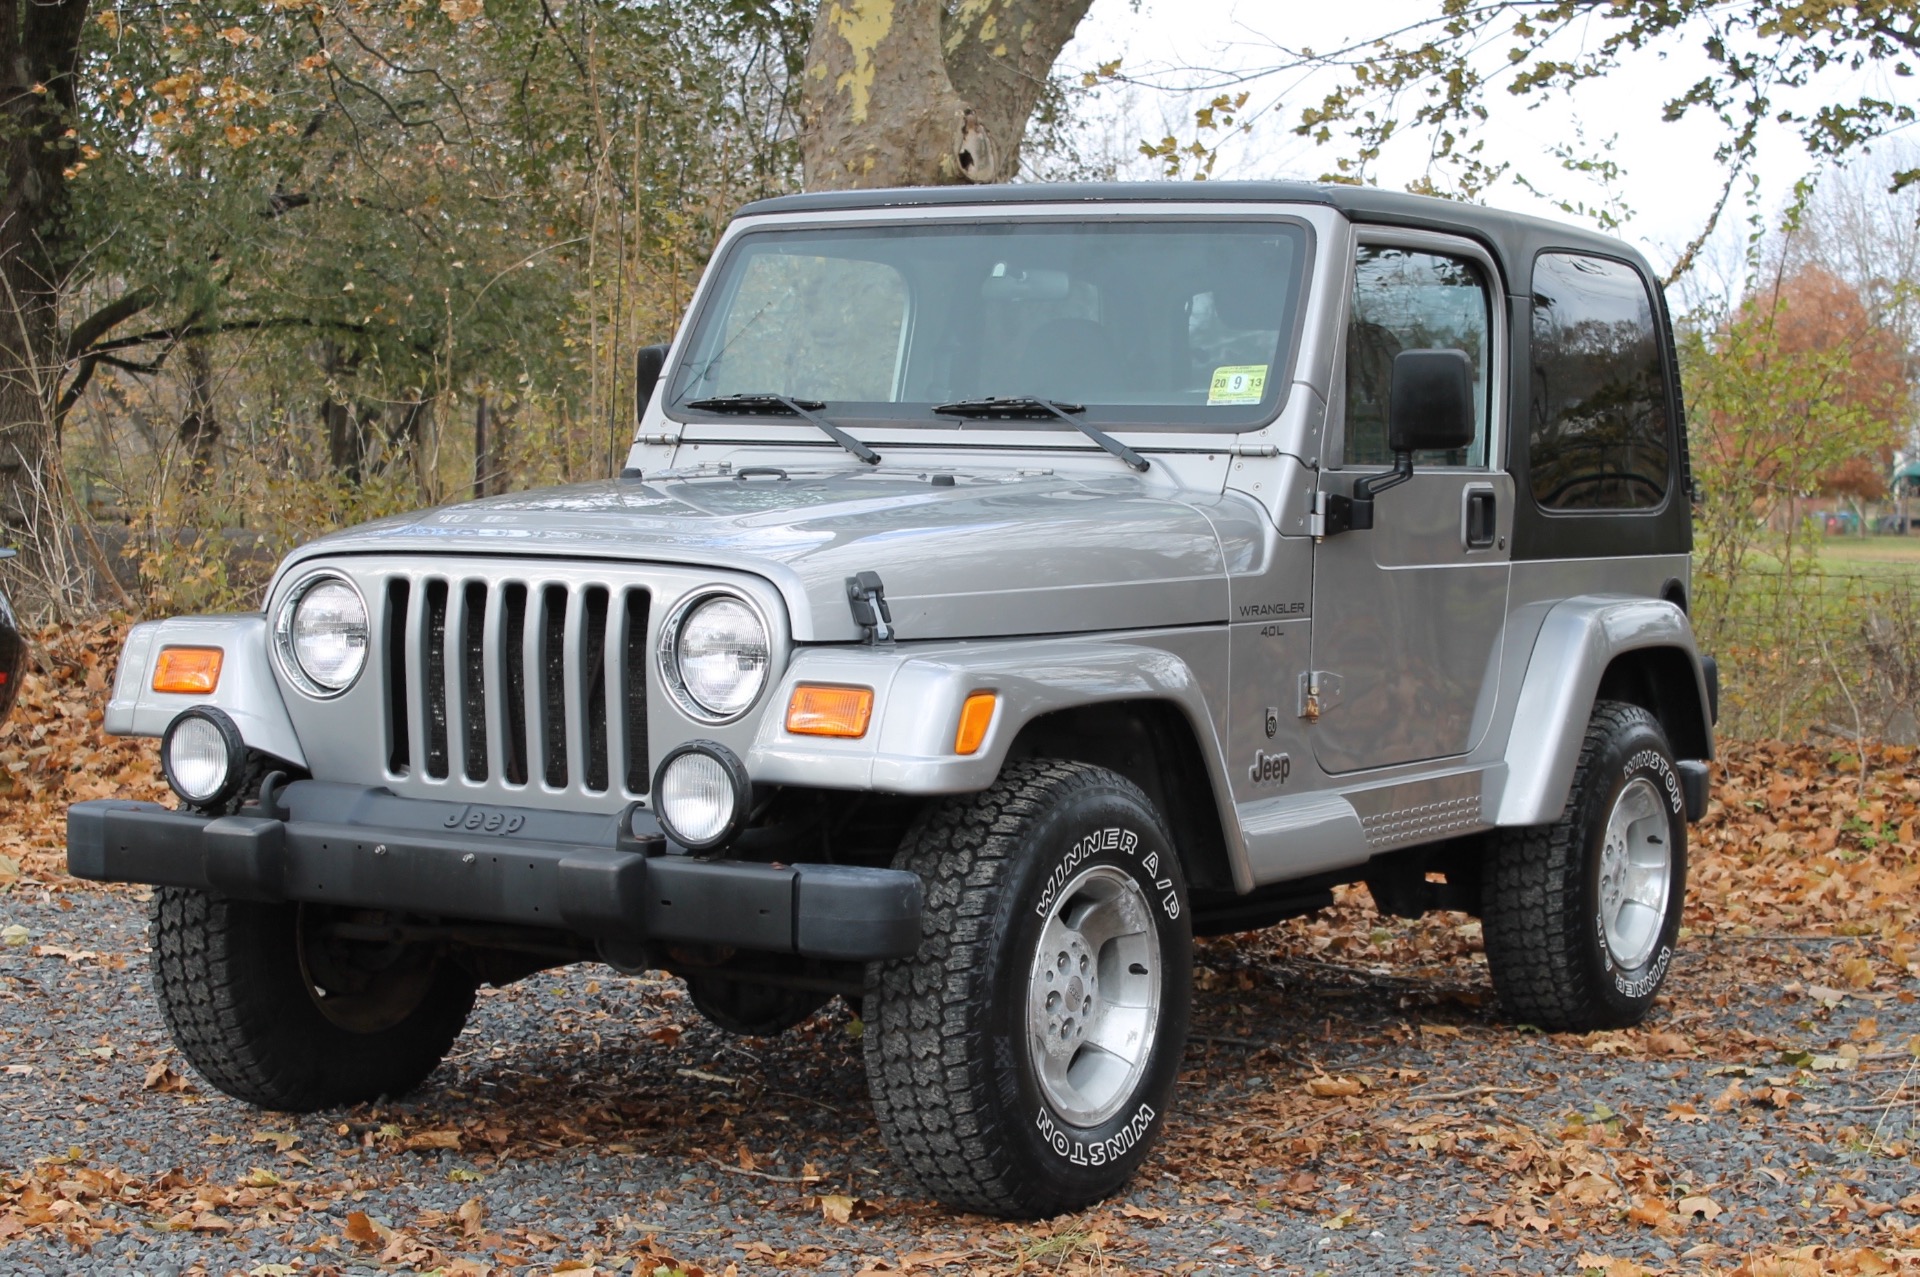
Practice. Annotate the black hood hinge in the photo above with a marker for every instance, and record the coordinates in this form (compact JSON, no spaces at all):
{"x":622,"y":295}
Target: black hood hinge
{"x":867,"y":596}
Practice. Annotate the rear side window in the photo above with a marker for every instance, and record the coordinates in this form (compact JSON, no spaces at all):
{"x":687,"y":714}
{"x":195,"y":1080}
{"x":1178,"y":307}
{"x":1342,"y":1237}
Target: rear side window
{"x":1600,"y":435}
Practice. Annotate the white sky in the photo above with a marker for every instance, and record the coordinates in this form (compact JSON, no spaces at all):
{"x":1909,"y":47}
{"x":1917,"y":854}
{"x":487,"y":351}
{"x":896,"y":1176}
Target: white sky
{"x":1670,"y":183}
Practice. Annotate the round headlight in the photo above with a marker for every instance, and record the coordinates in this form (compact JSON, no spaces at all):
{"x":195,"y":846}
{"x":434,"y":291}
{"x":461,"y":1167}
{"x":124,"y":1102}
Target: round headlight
{"x":324,"y":631}
{"x":203,"y":756}
{"x":719,"y":657}
{"x":701,"y":794}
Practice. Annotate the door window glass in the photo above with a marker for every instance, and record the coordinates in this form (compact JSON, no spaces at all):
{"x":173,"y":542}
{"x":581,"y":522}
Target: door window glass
{"x":1599,"y":436}
{"x":1404,"y":299}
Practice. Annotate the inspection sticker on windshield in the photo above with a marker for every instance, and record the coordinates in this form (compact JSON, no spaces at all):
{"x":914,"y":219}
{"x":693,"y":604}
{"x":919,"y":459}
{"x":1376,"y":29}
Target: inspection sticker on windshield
{"x":1238,"y":383}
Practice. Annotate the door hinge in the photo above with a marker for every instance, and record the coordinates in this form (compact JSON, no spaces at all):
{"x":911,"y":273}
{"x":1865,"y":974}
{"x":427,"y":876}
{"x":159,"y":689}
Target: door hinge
{"x":1319,"y":692}
{"x":1334,"y":513}
{"x":867,"y":596}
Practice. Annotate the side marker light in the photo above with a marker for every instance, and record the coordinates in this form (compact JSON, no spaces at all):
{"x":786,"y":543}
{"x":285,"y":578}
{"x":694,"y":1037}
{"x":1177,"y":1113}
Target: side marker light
{"x":975,"y":717}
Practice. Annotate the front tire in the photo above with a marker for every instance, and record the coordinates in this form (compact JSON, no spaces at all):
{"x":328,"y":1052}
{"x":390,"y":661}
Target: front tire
{"x":1581,"y":916}
{"x":1023,"y":1060}
{"x":270,"y":1008}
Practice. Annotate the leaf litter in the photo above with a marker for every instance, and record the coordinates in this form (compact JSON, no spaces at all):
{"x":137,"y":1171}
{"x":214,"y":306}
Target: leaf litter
{"x":1349,"y":1094}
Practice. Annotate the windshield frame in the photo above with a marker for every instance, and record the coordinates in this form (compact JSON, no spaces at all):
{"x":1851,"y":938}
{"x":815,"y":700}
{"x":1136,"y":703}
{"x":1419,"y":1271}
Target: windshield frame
{"x":721,"y":280}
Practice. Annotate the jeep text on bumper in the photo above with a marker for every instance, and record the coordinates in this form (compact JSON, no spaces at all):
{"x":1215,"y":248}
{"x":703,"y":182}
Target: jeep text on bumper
{"x":605,"y":878}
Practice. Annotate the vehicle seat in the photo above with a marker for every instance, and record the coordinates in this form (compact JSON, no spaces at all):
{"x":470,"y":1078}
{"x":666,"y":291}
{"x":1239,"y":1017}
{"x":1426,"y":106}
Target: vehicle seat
{"x":1370,"y":351}
{"x":1070,"y":359}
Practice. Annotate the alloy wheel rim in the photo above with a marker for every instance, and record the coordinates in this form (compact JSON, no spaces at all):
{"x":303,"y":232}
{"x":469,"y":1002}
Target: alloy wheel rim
{"x":1093,"y":995}
{"x":1636,"y":872}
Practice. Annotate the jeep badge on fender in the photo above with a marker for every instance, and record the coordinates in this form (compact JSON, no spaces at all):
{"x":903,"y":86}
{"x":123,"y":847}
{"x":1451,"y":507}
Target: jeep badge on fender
{"x":1005,"y":584}
{"x":1269,"y":767}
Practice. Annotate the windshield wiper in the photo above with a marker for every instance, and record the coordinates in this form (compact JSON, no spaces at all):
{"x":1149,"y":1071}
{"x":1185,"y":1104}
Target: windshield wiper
{"x":763,"y":403}
{"x":1030,"y":408}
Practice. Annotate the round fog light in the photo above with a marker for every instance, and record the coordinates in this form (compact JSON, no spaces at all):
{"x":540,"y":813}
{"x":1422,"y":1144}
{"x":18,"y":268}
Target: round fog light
{"x":701,"y":794}
{"x":203,"y":756}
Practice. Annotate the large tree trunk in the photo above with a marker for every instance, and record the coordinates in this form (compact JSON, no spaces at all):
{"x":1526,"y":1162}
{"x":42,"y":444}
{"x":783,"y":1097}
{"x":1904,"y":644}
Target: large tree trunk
{"x":926,"y":92}
{"x":346,"y":434}
{"x":39,"y":43}
{"x":200,"y":427}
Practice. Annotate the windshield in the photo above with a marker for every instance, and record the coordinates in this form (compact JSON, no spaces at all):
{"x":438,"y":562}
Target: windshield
{"x":1162,"y":322}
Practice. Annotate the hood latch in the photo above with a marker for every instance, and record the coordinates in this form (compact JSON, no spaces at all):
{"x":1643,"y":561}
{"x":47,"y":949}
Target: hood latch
{"x":867,"y":596}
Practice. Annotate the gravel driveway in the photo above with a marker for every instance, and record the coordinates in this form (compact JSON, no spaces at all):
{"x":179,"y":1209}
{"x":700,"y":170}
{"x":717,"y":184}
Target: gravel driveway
{"x":1349,"y":1105}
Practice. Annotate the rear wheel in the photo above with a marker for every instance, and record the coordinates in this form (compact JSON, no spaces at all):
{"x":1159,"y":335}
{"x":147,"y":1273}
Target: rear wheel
{"x":1023,"y":1060}
{"x":752,"y":1010}
{"x":1581,"y":916}
{"x":274,"y":1005}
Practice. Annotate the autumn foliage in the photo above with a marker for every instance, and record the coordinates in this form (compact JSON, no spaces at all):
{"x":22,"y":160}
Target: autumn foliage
{"x":1826,"y":392}
{"x":1337,"y":1061}
{"x":53,"y":752}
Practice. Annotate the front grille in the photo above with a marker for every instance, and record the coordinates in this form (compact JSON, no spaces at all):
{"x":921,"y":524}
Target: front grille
{"x":509,"y":681}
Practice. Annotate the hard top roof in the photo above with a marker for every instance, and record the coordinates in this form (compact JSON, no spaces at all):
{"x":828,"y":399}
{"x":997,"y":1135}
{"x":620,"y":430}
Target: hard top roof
{"x":1513,"y":237}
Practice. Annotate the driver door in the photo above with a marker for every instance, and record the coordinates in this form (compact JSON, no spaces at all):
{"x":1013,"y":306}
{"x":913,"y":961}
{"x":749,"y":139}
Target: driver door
{"x":1408,"y":615}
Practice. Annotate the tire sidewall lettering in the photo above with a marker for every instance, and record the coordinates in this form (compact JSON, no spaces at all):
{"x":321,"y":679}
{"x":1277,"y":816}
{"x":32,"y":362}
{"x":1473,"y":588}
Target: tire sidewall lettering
{"x":1644,"y":984}
{"x":1124,"y":842}
{"x":1099,"y":1152}
{"x":1663,"y":775}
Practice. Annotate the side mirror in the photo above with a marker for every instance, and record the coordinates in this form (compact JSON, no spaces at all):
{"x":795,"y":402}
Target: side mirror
{"x":1430,"y":403}
{"x":1429,"y":407}
{"x":647,"y":364}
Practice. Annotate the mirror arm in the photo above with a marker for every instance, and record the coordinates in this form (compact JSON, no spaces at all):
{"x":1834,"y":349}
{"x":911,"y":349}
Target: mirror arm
{"x":1355,"y":513}
{"x":1372,"y":485}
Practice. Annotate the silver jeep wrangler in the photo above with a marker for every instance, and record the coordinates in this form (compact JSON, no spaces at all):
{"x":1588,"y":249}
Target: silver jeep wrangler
{"x":1006,"y":585}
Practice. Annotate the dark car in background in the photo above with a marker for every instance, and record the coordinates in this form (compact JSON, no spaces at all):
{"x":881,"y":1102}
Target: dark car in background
{"x":13,"y":651}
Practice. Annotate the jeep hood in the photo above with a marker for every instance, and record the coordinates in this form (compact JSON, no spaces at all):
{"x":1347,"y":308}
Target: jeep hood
{"x":992,"y":553}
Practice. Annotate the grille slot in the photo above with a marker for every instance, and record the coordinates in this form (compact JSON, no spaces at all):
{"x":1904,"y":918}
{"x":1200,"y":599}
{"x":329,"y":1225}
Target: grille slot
{"x":633,"y":673}
{"x":593,"y":659}
{"x":473,"y":680}
{"x":553,"y":682}
{"x":399,"y":756}
{"x":510,"y":683}
{"x":513,"y":648}
{"x":436,"y":679}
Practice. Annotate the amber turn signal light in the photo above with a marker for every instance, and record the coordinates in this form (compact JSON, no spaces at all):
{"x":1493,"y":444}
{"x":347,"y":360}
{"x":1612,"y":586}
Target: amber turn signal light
{"x":190,"y":671}
{"x":975,"y":717}
{"x":830,"y":711}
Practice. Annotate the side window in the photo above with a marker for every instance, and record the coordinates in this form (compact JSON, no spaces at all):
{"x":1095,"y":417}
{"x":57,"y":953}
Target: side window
{"x":1599,"y":437}
{"x":816,"y":327}
{"x":1404,"y":299}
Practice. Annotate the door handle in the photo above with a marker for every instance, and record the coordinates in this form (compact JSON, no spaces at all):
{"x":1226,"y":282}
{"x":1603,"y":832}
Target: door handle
{"x":1480,"y":519}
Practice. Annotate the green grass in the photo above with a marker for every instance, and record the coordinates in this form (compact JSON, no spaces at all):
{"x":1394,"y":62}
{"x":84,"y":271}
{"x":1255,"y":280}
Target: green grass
{"x":1871,"y":555}
{"x":1891,"y":558}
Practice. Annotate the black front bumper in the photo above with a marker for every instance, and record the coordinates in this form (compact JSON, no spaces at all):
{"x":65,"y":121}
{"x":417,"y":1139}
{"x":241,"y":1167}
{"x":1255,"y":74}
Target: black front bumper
{"x":585,"y":873}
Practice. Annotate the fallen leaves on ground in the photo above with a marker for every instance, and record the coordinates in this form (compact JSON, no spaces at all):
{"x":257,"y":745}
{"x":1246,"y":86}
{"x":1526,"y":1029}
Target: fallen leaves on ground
{"x":1338,"y":1060}
{"x":53,"y":752}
